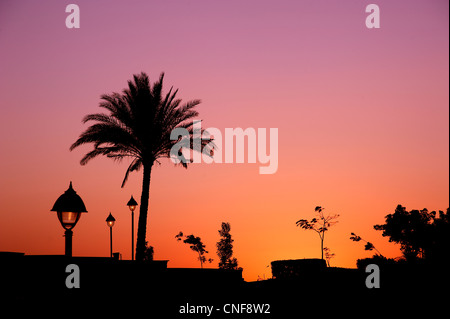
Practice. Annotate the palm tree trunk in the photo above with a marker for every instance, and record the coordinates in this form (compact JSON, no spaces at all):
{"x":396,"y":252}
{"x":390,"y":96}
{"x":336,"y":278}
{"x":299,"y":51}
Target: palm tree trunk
{"x":143,"y":210}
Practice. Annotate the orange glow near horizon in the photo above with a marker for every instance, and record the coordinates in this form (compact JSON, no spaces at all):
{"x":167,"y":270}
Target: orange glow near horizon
{"x":362,"y":118}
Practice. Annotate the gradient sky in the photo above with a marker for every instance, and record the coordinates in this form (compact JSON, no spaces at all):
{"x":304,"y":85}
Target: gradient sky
{"x":362,"y":117}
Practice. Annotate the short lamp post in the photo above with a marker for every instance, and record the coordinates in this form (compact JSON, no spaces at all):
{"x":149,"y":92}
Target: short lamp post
{"x":132,"y":206}
{"x":110,"y":222}
{"x":69,"y":207}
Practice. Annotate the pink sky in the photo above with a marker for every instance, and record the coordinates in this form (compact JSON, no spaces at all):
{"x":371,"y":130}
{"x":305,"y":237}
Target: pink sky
{"x":362,"y":115}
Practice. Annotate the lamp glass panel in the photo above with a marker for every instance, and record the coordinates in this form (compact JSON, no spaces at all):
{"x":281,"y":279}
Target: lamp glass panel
{"x":69,"y":218}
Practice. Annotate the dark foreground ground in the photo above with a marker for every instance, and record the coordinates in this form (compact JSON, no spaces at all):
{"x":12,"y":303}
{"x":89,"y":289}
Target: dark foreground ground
{"x":37,"y":285}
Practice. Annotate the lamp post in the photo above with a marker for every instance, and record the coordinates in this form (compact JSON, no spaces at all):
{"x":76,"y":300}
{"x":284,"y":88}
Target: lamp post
{"x":110,"y":220}
{"x":68,"y":208}
{"x":132,"y":206}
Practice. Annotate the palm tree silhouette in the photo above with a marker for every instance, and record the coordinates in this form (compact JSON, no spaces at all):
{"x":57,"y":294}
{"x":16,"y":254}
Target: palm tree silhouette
{"x":138,"y":126}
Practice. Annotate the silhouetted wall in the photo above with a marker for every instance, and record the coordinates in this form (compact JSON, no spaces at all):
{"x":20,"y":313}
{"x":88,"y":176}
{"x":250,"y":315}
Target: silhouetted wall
{"x":26,"y":278}
{"x":296,"y":268}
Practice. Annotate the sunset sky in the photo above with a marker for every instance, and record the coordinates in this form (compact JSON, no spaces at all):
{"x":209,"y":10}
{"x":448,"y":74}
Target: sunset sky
{"x":362,"y":117}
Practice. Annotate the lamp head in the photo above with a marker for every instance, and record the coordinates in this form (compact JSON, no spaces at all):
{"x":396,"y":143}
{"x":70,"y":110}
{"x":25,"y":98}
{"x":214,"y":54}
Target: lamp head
{"x":110,"y":220}
{"x":132,"y":204}
{"x":69,"y":207}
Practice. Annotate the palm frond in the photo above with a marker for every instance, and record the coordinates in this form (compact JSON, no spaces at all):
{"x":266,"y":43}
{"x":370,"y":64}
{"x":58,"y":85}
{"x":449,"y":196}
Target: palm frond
{"x":135,"y":165}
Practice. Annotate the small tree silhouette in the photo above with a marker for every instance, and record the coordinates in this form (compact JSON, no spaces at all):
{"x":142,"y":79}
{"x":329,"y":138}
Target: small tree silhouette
{"x":196,"y":245}
{"x":420,"y":233}
{"x":148,"y":252}
{"x":328,"y":255}
{"x":320,"y":225}
{"x":225,"y":248}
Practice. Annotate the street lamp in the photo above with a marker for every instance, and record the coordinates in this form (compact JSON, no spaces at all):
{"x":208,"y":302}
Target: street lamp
{"x":110,"y":220}
{"x":68,"y":208}
{"x":132,"y":206}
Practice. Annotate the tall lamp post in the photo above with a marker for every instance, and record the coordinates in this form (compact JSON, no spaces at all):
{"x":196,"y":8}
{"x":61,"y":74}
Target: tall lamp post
{"x":110,"y":220}
{"x":132,"y":206}
{"x":68,"y":208}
